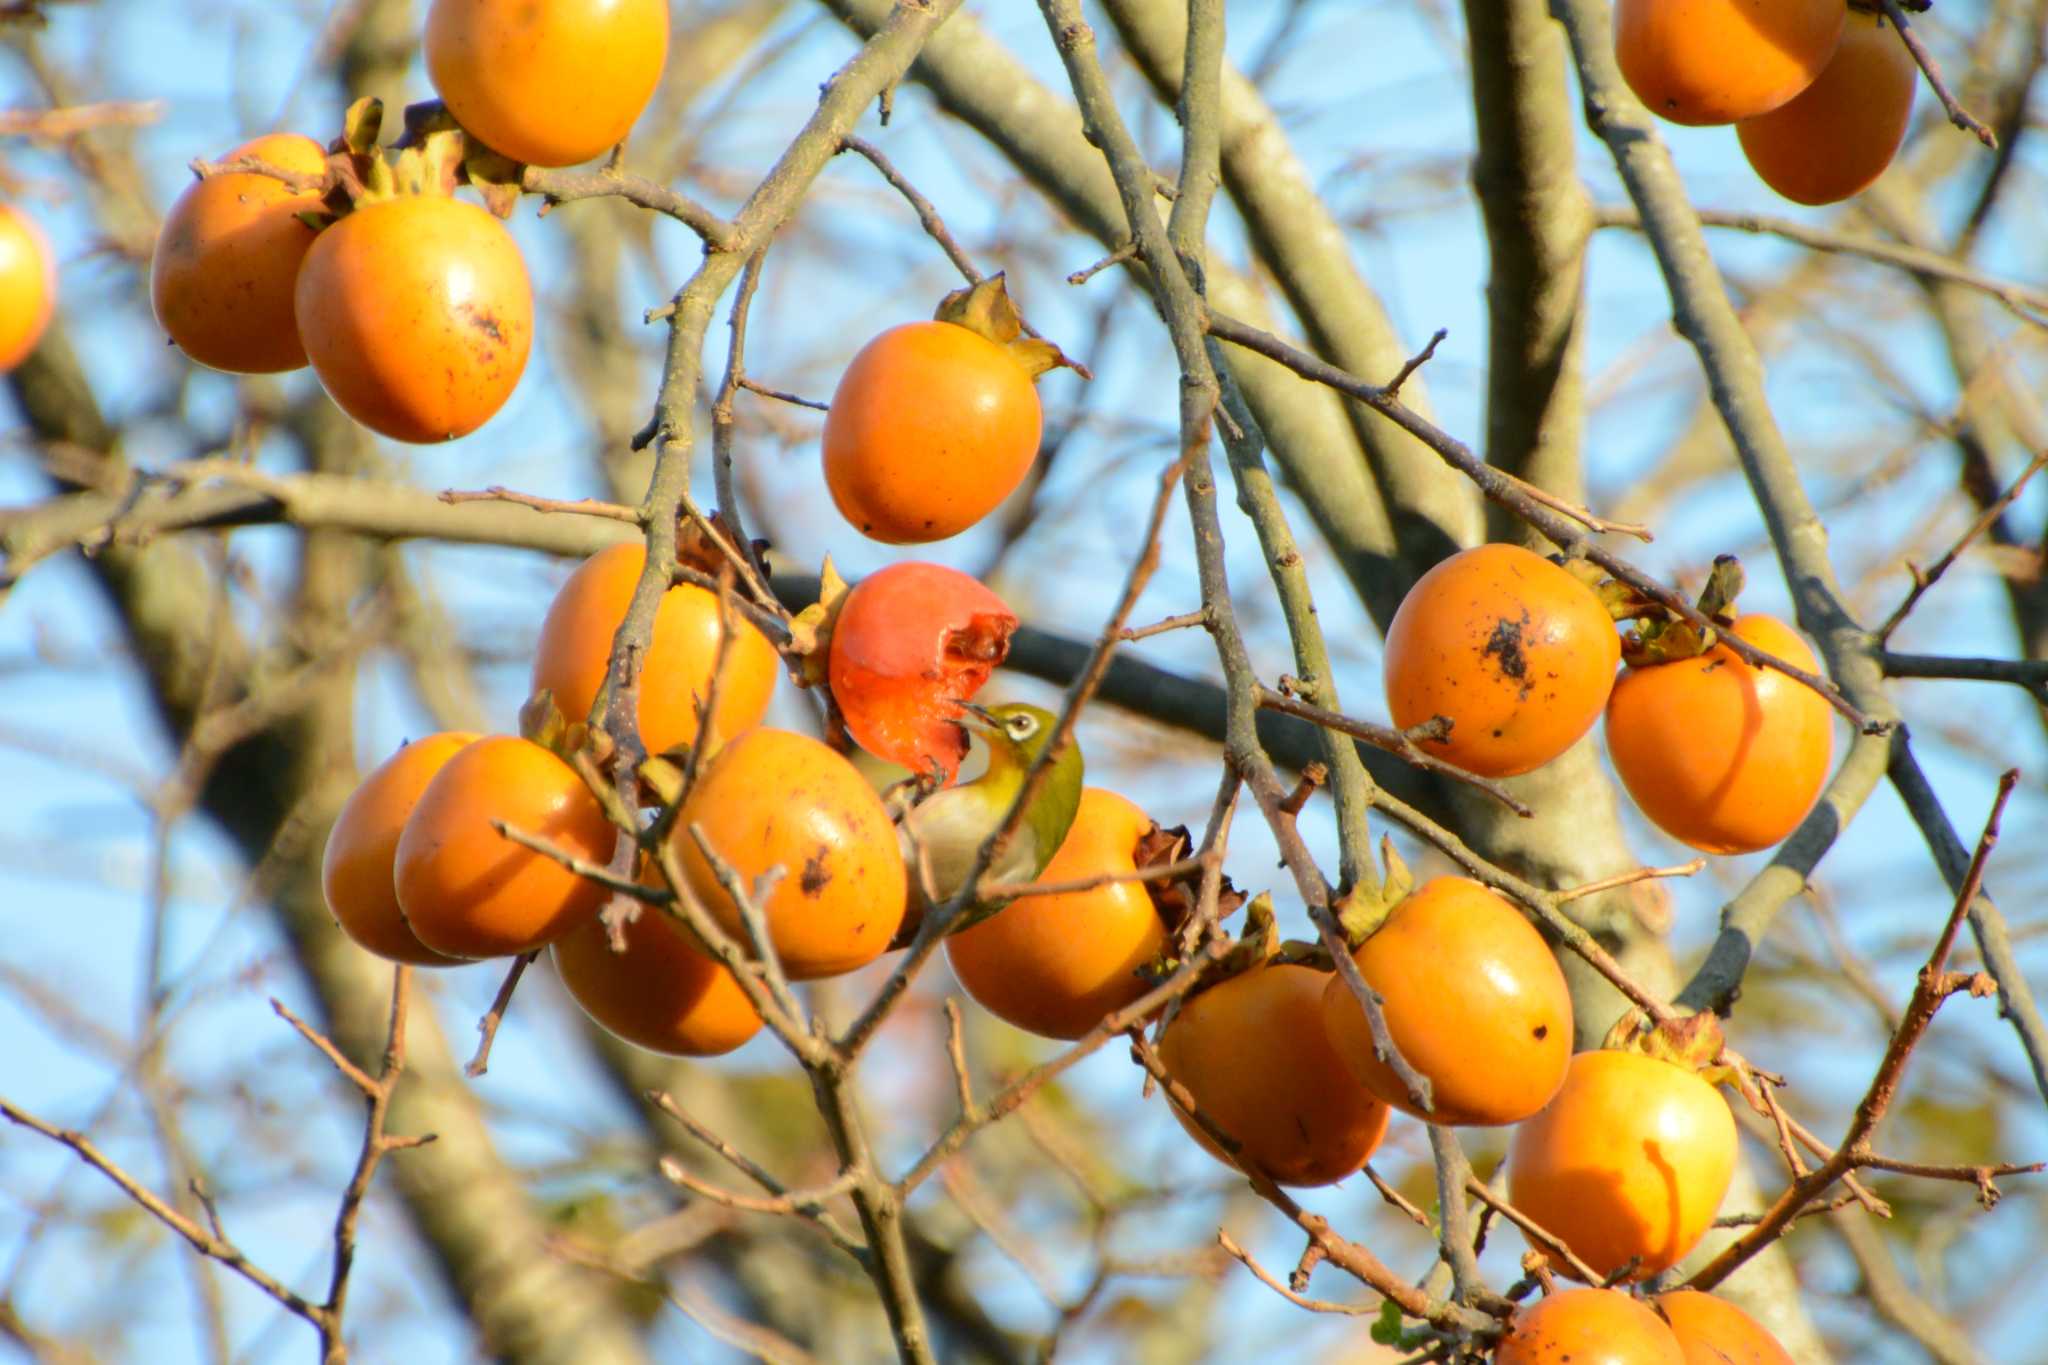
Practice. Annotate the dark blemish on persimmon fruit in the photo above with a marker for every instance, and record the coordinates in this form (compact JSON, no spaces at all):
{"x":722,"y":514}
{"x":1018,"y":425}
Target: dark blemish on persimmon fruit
{"x":1504,"y":646}
{"x":486,"y":323}
{"x":815,"y":878}
{"x":1542,"y":1031}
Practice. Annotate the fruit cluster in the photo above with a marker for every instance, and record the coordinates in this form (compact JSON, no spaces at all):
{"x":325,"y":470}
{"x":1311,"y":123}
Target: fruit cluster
{"x":1818,"y":90}
{"x":413,"y":308}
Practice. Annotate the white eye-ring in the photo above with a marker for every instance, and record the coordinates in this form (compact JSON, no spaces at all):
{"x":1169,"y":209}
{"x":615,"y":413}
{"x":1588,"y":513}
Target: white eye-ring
{"x":1023,"y":726}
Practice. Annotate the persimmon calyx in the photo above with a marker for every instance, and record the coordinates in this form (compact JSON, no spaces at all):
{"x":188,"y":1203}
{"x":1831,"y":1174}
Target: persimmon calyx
{"x":1694,"y":1043}
{"x":1661,"y":638}
{"x":433,"y":156}
{"x":810,"y":630}
{"x":987,"y":310}
{"x":1176,"y":898}
{"x":1359,"y":913}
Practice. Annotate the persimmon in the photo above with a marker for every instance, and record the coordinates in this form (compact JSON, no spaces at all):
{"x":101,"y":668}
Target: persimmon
{"x":471,"y":892}
{"x":417,"y":315}
{"x":1716,"y":61}
{"x":931,"y":427}
{"x":1513,"y":650}
{"x":547,"y":82}
{"x":1717,"y":753}
{"x":1252,"y":1052}
{"x":1714,"y":1331}
{"x":227,"y":260}
{"x":576,"y":644}
{"x":663,"y":992}
{"x":1473,"y":999}
{"x":28,"y":285}
{"x":356,"y":870}
{"x":776,"y":799}
{"x":1628,"y":1161}
{"x":1588,"y":1327}
{"x":1055,"y":965}
{"x":909,"y":641}
{"x":1836,"y":136}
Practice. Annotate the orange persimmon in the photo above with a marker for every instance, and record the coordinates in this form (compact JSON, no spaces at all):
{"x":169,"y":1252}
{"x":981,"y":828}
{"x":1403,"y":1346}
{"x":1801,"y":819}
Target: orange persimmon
{"x":547,"y":82}
{"x":1252,"y":1052}
{"x":1588,"y":1327}
{"x":1719,"y":754}
{"x":1473,"y":999}
{"x":1717,"y":61}
{"x":469,"y":891}
{"x":576,"y":644}
{"x":1714,"y":1331}
{"x":417,"y":315}
{"x":663,"y":992}
{"x":1628,"y":1161}
{"x":777,"y":799}
{"x":1836,"y":137}
{"x":356,"y":869}
{"x":225,"y":273}
{"x":931,"y":427}
{"x":1055,"y":965}
{"x":1513,"y":650}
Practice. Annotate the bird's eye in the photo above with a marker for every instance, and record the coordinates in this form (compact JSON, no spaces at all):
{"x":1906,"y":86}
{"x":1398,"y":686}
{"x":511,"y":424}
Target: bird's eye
{"x":1022,"y":727}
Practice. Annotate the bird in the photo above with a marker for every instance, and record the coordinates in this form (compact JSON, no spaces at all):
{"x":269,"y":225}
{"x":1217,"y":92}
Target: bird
{"x":942,"y":835}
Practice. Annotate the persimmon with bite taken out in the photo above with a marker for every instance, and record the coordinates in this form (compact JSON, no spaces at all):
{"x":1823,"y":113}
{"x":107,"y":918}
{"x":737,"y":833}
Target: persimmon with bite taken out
{"x":909,"y":641}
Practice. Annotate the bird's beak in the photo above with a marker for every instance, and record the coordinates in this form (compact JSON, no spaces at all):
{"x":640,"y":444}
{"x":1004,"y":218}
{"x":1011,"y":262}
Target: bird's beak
{"x":977,"y":717}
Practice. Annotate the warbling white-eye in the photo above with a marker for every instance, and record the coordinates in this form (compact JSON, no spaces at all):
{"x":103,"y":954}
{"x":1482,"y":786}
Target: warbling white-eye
{"x":951,"y":825}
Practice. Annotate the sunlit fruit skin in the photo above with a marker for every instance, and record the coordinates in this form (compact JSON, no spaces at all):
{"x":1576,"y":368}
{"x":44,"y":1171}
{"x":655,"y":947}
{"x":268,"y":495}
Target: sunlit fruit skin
{"x":224,"y":276}
{"x":356,"y":870}
{"x":931,"y":427}
{"x":1630,"y":1159}
{"x":773,"y":798}
{"x":1588,"y":1327}
{"x":663,"y":993}
{"x":1718,"y":754}
{"x":1252,"y":1052}
{"x":28,"y":285}
{"x":576,"y":645}
{"x":469,"y":891}
{"x":1714,"y":1331}
{"x":910,"y":640}
{"x":1473,"y":999}
{"x":417,"y":315}
{"x":547,"y":82}
{"x":1836,"y":137}
{"x":1716,"y":61}
{"x":1055,"y":965}
{"x":1514,"y":650}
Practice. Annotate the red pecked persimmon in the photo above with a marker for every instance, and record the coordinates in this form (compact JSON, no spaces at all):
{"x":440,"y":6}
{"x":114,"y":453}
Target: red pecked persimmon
{"x":909,"y":641}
